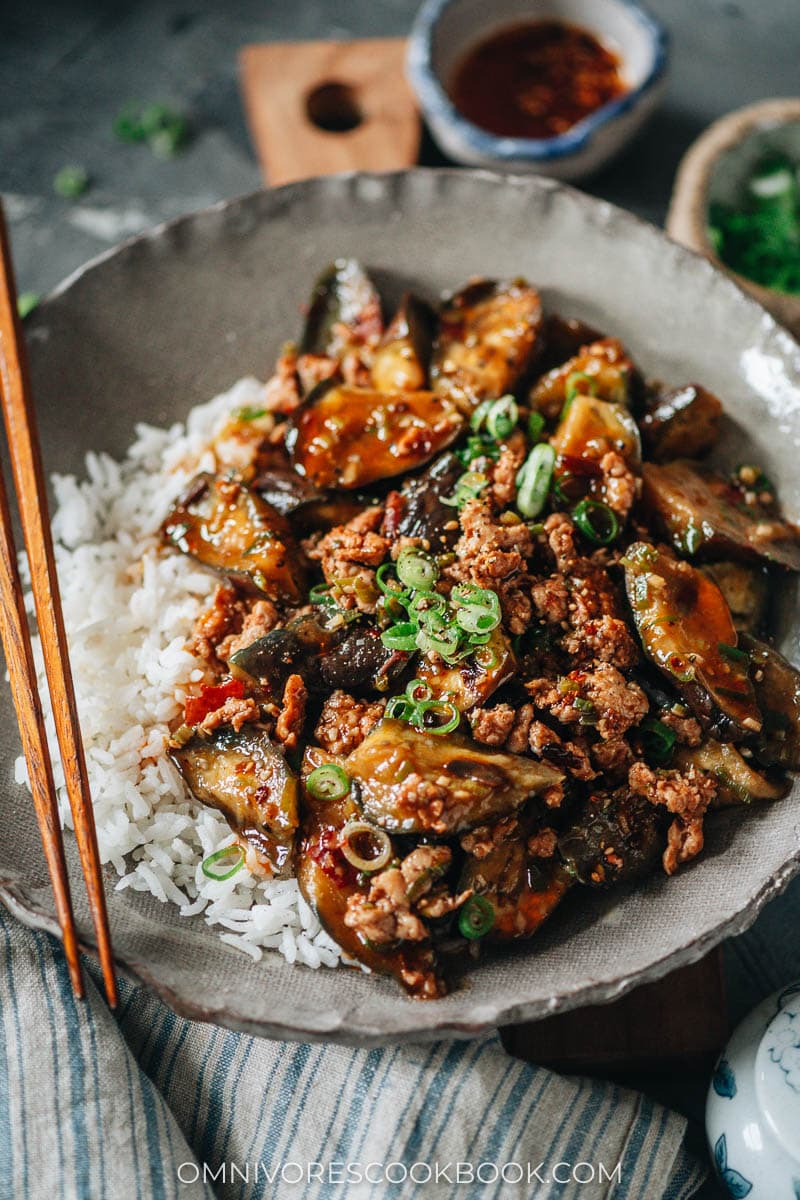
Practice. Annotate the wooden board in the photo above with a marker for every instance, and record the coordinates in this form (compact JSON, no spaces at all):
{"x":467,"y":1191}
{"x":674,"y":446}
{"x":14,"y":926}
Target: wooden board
{"x":292,"y":90}
{"x":682,"y":1018}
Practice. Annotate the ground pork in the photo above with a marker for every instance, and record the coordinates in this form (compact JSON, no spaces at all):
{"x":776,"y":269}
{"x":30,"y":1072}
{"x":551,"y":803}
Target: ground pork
{"x":504,"y":471}
{"x":344,"y":722}
{"x":613,"y":757}
{"x":282,"y":393}
{"x":349,"y":555}
{"x":602,"y":639}
{"x":560,"y":533}
{"x":517,"y":731}
{"x":492,"y":553}
{"x":543,"y":844}
{"x":620,"y":485}
{"x":233,"y":712}
{"x":386,"y":914}
{"x":551,"y":599}
{"x":615,"y":704}
{"x":482,"y":840}
{"x":687,"y":794}
{"x":314,"y":368}
{"x":258,"y":621}
{"x":686,"y":729}
{"x":291,"y":718}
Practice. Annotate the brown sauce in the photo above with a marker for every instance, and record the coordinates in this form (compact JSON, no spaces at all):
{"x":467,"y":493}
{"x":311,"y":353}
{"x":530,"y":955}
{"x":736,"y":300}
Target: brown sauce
{"x":535,"y":80}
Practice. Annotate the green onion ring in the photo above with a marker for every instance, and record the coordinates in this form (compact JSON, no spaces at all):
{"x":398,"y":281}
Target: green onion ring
{"x":474,"y":619}
{"x":415,"y":687}
{"x":402,"y":636}
{"x":502,"y":418}
{"x":658,"y":741}
{"x":218,"y":857}
{"x":328,"y":782}
{"x":443,"y":708}
{"x":533,"y":479}
{"x":476,"y":918}
{"x":536,"y":423}
{"x":596,"y":521}
{"x":356,"y":830}
{"x":381,"y":580}
{"x":479,"y":416}
{"x":416,"y":569}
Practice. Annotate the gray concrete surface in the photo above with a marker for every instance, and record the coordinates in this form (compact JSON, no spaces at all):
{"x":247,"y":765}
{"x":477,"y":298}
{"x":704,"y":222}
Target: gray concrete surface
{"x":68,"y":66}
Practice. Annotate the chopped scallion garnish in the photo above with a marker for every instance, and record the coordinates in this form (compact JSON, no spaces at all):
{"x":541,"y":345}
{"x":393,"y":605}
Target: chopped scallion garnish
{"x":328,"y":782}
{"x":224,"y":863}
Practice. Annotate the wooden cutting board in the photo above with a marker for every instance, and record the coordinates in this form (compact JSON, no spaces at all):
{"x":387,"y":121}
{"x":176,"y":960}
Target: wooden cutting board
{"x":317,"y":108}
{"x":291,"y":92}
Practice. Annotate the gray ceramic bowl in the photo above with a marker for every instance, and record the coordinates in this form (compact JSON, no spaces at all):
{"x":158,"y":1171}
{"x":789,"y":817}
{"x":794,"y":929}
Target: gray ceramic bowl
{"x":174,"y":316}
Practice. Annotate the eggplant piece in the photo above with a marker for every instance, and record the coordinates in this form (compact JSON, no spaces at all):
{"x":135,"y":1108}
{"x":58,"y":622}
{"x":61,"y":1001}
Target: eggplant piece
{"x":746,"y":591}
{"x":617,"y":837}
{"x":522,"y":893}
{"x":362,"y":662}
{"x":686,"y":629}
{"x":352,"y":658}
{"x":343,"y":296}
{"x":684,"y":423}
{"x":294,"y":649}
{"x":738,"y":782}
{"x":229,"y":528}
{"x":458,"y":783}
{"x":564,"y":337}
{"x":402,"y":359}
{"x":348,"y":437}
{"x":777,"y":687}
{"x":326,"y":880}
{"x":489,"y":334}
{"x":702,"y":513}
{"x":285,"y":490}
{"x":590,"y":427}
{"x":611,"y":375}
{"x":424,"y":514}
{"x":473,"y":680}
{"x":247,"y":778}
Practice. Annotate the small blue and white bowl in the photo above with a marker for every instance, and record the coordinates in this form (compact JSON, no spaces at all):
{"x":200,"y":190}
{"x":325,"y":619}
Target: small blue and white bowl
{"x":753,"y":1106}
{"x":444,"y":31}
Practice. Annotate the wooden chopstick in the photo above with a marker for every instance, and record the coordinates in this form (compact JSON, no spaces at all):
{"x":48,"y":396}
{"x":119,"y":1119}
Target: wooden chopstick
{"x":29,"y":481}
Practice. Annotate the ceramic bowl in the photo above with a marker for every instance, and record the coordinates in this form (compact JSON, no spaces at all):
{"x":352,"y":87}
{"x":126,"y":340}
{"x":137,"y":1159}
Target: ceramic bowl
{"x":445,"y":30}
{"x":716,"y":167}
{"x":177,"y":315}
{"x":753,"y":1106}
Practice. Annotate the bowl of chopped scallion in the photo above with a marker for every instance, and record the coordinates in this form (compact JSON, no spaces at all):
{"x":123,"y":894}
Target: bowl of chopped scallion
{"x":737,"y":201}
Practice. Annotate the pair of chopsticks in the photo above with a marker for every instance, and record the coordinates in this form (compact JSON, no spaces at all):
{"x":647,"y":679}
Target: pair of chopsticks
{"x":29,"y":482}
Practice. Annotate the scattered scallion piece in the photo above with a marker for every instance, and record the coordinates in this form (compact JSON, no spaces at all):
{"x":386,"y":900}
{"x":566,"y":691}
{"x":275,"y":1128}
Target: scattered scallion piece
{"x":658,"y":741}
{"x":596,"y":521}
{"x":26,"y":303}
{"x":365,"y":847}
{"x":536,"y":425}
{"x":161,"y":127}
{"x":533,"y":479}
{"x":733,"y":653}
{"x":502,"y":418}
{"x":71,"y":182}
{"x":417,"y":707}
{"x":223,"y":864}
{"x":477,"y":918}
{"x":328,"y":782}
{"x":468,"y":487}
{"x":417,"y":570}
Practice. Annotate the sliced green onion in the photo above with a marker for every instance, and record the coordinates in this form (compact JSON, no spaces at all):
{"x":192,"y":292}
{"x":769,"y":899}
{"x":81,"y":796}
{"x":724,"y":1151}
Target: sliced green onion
{"x":71,"y":182}
{"x":365,"y":847}
{"x":321,"y":594}
{"x":418,"y":691}
{"x":425,"y":606}
{"x":328,"y":782}
{"x":384,"y":582}
{"x":572,"y":390}
{"x":733,"y":653}
{"x":401,"y":708}
{"x":402,"y":636}
{"x":478,"y":446}
{"x":224,"y":863}
{"x":533,"y":479}
{"x":478,"y":418}
{"x":26,"y":303}
{"x":658,"y":741}
{"x":535,"y":425}
{"x":502,"y":418}
{"x":473,"y":619}
{"x":468,"y":487}
{"x":417,"y":570}
{"x":477,"y":918}
{"x":445,"y":643}
{"x":445,"y":709}
{"x":693,"y":539}
{"x":596,"y":521}
{"x":250,"y":414}
{"x":486,"y":658}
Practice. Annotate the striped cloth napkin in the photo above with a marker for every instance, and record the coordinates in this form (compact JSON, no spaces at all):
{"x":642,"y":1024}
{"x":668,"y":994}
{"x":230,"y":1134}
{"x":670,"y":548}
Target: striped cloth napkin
{"x":144,"y":1104}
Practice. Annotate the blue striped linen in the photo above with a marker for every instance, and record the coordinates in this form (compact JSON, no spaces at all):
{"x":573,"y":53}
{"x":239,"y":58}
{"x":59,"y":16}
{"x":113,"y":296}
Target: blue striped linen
{"x":142,"y":1104}
{"x":131,"y":1105}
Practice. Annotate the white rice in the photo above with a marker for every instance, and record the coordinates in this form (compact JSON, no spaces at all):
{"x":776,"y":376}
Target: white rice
{"x":129,"y":610}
